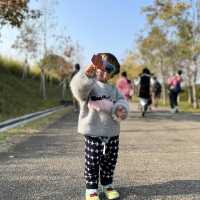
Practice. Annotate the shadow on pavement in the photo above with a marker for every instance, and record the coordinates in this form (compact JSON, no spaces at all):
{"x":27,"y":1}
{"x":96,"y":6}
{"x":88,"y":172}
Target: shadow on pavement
{"x":165,"y":115}
{"x":50,"y":142}
{"x":176,"y":187}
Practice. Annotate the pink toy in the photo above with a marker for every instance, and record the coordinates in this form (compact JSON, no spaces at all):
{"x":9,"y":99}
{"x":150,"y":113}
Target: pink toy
{"x":101,"y":105}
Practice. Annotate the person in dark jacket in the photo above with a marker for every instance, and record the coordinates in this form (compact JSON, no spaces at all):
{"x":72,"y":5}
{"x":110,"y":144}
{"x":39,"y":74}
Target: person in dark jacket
{"x":156,"y":89}
{"x":144,"y":91}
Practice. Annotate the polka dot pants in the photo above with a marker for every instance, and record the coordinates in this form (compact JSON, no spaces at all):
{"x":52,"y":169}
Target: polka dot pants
{"x":100,"y":160}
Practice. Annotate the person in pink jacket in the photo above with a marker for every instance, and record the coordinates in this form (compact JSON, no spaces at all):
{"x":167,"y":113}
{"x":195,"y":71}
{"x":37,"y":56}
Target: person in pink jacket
{"x":124,"y":86}
{"x":174,"y":84}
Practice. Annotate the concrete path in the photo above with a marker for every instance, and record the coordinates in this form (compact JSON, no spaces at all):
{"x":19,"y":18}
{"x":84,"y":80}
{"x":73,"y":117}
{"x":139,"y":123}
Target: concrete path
{"x":159,"y":159}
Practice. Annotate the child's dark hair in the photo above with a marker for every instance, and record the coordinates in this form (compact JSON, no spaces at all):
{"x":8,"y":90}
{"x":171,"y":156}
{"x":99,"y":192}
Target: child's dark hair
{"x":180,"y":72}
{"x":124,"y":74}
{"x":112,"y":60}
{"x":145,"y":71}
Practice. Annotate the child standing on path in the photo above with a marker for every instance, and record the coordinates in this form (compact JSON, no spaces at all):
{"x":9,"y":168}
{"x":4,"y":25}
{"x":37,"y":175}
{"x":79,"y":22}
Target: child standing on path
{"x":101,"y":109}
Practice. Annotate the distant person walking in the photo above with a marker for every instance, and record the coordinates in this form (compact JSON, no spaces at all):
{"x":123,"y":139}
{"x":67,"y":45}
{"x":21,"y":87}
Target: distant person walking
{"x":124,"y":86}
{"x":156,"y":89}
{"x":174,"y":85}
{"x":75,"y":102}
{"x":131,"y":92}
{"x":144,"y":90}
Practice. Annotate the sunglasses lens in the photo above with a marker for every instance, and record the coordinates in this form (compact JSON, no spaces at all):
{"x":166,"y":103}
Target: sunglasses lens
{"x":109,"y":68}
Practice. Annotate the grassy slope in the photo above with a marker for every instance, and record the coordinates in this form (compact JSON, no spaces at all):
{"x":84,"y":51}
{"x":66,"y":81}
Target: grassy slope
{"x":18,"y":97}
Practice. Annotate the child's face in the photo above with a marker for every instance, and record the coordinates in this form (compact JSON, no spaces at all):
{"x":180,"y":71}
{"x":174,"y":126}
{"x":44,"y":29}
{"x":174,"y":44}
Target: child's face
{"x":102,"y":76}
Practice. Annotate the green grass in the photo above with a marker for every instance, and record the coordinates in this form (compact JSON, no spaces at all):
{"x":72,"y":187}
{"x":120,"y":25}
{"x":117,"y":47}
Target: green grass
{"x":34,"y":126}
{"x":183,"y":106}
{"x":19,"y":97}
{"x":10,"y":66}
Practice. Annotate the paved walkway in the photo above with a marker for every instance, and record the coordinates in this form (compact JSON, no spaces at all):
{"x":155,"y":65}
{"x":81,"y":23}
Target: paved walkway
{"x":159,"y":158}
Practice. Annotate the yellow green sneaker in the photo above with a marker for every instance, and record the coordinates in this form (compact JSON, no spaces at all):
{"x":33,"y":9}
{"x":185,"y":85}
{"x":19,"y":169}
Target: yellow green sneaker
{"x":93,"y":196}
{"x":111,"y":194}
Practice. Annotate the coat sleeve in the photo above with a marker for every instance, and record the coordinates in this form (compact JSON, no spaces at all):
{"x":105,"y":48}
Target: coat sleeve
{"x":81,"y":86}
{"x":120,"y":101}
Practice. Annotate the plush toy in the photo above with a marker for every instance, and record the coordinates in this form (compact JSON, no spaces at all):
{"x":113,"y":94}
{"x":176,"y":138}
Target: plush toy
{"x":101,"y":105}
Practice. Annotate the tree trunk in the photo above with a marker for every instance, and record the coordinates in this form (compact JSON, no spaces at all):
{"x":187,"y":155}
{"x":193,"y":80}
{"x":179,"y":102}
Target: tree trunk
{"x":43,"y":85}
{"x":189,"y":90}
{"x":164,"y":93}
{"x":189,"y":85}
{"x":164,"y":89}
{"x":64,"y":86}
{"x":194,"y":96}
{"x":179,"y":99}
{"x":25,"y":69}
{"x":194,"y":87}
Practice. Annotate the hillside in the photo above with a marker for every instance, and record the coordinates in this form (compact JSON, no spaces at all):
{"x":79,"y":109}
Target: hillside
{"x":19,"y":97}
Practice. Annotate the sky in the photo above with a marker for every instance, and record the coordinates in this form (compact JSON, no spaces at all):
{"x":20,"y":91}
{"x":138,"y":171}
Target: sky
{"x":98,"y":26}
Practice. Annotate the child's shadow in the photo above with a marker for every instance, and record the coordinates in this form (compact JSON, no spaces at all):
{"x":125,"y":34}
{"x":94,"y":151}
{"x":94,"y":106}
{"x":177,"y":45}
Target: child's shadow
{"x":146,"y":192}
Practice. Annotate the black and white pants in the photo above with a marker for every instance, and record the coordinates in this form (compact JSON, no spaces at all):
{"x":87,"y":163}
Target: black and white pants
{"x":100,"y":160}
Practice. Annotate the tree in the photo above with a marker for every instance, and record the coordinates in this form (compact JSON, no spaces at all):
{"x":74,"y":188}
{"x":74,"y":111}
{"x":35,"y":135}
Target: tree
{"x":15,"y":12}
{"x":131,"y":65}
{"x":195,"y":4}
{"x":155,"y":50}
{"x":62,"y":45}
{"x":65,"y":46}
{"x":45,"y":27}
{"x":70,"y":52}
{"x":174,"y":19}
{"x":27,"y":42}
{"x":58,"y":65}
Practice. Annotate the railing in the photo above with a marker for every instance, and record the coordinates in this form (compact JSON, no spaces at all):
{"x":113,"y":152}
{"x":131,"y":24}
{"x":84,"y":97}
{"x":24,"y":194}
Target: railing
{"x":26,"y":118}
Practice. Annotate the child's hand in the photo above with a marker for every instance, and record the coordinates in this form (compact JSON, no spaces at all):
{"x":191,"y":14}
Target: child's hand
{"x":121,"y":112}
{"x":97,"y":61}
{"x":90,"y":70}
